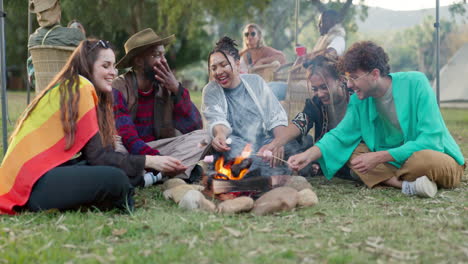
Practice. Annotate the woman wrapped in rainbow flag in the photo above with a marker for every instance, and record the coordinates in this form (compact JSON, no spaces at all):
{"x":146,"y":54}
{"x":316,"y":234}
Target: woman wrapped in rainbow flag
{"x":61,"y":154}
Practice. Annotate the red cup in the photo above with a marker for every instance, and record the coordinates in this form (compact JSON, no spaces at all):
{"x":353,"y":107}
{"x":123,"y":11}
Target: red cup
{"x":301,"y":50}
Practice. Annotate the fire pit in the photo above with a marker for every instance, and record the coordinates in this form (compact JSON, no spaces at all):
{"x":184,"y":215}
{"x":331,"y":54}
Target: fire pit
{"x":237,"y":183}
{"x":234,"y":178}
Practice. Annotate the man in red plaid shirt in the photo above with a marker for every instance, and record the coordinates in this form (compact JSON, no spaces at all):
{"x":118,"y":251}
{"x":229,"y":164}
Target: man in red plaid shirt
{"x":151,"y":107}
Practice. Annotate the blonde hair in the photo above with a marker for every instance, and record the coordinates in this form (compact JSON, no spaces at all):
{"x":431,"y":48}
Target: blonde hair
{"x":259,"y":32}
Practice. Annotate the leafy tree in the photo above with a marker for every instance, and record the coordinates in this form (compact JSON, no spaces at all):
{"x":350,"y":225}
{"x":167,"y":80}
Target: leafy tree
{"x":196,"y":23}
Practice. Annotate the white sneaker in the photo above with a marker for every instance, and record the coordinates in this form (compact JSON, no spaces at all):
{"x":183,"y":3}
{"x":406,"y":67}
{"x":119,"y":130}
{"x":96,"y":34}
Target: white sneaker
{"x":425,"y":187}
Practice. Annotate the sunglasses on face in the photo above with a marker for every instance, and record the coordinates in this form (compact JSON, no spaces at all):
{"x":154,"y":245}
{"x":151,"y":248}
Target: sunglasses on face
{"x":253,"y":33}
{"x":103,"y":43}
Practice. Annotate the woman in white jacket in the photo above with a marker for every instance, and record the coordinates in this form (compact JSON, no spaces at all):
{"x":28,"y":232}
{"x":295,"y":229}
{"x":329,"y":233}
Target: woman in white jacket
{"x":239,"y":106}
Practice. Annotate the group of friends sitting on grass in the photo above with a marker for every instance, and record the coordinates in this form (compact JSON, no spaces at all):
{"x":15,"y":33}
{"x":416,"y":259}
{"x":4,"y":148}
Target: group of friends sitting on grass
{"x":91,"y":136}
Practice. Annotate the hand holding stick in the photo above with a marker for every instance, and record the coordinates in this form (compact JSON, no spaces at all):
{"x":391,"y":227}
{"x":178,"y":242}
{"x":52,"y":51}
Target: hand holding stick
{"x":269,"y":154}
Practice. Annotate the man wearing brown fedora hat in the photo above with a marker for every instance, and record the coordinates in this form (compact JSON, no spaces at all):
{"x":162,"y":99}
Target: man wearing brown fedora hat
{"x":151,"y":107}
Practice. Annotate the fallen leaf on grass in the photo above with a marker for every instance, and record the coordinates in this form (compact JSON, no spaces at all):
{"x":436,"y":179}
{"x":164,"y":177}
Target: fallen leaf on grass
{"x":44,"y":247}
{"x":193,"y":242}
{"x":234,"y":232}
{"x":320,"y":214}
{"x":146,"y":252}
{"x":376,"y":246}
{"x":69,"y":246}
{"x":64,"y":228}
{"x":345,"y":229}
{"x":299,"y":236}
{"x":119,"y":232}
{"x":264,"y":230}
{"x":110,"y":251}
{"x":60,"y":219}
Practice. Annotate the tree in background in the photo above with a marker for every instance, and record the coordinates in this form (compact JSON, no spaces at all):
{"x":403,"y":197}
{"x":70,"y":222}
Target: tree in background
{"x":116,"y":20}
{"x":199,"y":23}
{"x":189,"y":20}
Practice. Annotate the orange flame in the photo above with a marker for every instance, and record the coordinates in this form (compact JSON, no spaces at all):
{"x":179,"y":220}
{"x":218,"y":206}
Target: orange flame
{"x":225,"y":169}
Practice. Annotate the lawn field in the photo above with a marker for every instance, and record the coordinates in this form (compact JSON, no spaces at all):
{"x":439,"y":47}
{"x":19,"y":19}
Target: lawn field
{"x":351,"y":224}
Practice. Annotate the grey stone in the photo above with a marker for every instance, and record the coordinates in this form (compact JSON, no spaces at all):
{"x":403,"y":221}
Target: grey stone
{"x":179,"y":191}
{"x":237,"y":205}
{"x":307,"y":198}
{"x":298,"y":183}
{"x":194,"y":200}
{"x":278,"y":199}
{"x":171,"y":183}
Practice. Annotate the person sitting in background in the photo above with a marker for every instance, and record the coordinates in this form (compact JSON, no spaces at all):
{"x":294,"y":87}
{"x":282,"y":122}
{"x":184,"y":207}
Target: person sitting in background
{"x":152,"y":108}
{"x":61,"y":153}
{"x":393,"y":132}
{"x":50,"y":32}
{"x":75,"y":24}
{"x":332,"y":33}
{"x":322,"y":112}
{"x":254,"y":52}
{"x":240,"y":106}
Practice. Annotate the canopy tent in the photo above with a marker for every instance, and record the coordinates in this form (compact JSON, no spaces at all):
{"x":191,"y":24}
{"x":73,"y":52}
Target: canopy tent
{"x":454,"y":87}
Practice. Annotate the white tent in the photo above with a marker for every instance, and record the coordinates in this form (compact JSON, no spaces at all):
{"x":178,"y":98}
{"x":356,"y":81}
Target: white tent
{"x":454,"y":80}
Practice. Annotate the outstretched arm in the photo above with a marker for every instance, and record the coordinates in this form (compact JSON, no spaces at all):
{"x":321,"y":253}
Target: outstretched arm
{"x":299,"y":161}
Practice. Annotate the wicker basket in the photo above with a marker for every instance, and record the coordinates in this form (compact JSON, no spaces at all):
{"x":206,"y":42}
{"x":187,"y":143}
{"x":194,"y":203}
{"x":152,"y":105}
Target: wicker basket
{"x":282,"y":73}
{"x":48,"y":61}
{"x":267,"y":71}
{"x":298,"y":91}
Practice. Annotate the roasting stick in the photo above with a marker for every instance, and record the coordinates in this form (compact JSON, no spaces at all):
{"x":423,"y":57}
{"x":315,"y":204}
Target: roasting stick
{"x":269,"y":154}
{"x":207,"y":159}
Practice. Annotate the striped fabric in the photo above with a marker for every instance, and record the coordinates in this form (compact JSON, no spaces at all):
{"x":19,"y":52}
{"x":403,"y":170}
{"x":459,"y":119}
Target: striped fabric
{"x":39,"y":145}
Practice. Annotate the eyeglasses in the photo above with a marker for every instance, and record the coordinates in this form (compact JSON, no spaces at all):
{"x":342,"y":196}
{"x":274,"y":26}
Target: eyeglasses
{"x":253,"y":33}
{"x":104,"y":43}
{"x":348,"y":78}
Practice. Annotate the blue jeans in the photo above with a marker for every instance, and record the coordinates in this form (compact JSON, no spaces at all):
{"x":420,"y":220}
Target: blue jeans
{"x":279,"y":89}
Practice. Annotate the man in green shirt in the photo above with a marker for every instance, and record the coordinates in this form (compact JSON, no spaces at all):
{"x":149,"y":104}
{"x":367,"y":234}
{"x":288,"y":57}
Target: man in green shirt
{"x":393,"y":132}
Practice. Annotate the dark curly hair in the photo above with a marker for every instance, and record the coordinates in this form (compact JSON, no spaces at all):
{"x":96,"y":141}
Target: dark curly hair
{"x":323,"y":61}
{"x":226,"y":46}
{"x":366,"y":56}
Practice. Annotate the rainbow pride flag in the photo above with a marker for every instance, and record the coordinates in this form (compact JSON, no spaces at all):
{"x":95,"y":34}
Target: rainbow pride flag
{"x":39,"y":145}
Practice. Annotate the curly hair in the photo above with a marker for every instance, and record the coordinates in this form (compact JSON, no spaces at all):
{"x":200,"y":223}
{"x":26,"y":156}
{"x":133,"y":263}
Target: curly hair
{"x":366,"y":56}
{"x":226,"y":46}
{"x":325,"y":62}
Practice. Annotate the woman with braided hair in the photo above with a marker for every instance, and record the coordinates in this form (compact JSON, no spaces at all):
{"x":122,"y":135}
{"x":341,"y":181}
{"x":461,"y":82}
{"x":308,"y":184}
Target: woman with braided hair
{"x":240,"y":106}
{"x":323,"y":111}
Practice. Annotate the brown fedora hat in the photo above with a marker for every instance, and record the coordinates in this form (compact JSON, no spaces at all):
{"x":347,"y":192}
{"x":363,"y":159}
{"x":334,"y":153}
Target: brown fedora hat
{"x":37,"y":6}
{"x":139,"y":42}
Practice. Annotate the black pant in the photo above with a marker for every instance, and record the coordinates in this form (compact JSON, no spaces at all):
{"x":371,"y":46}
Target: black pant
{"x":72,"y":187}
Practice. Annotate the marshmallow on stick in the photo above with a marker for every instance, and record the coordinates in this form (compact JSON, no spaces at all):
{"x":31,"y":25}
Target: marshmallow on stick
{"x":208,"y":159}
{"x":267,"y":154}
{"x":229,"y":141}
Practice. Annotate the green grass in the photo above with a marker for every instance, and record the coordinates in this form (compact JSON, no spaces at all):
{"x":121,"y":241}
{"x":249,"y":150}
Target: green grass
{"x":351,"y":224}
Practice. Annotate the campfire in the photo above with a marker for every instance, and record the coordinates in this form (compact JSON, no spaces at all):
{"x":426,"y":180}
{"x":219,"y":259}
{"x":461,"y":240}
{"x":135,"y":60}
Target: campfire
{"x":241,"y":184}
{"x":236,"y":178}
{"x":236,"y":169}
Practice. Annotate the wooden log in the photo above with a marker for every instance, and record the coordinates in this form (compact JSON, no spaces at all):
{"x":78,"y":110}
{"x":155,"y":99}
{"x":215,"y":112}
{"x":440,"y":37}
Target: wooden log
{"x":257,"y":184}
{"x":251,"y":184}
